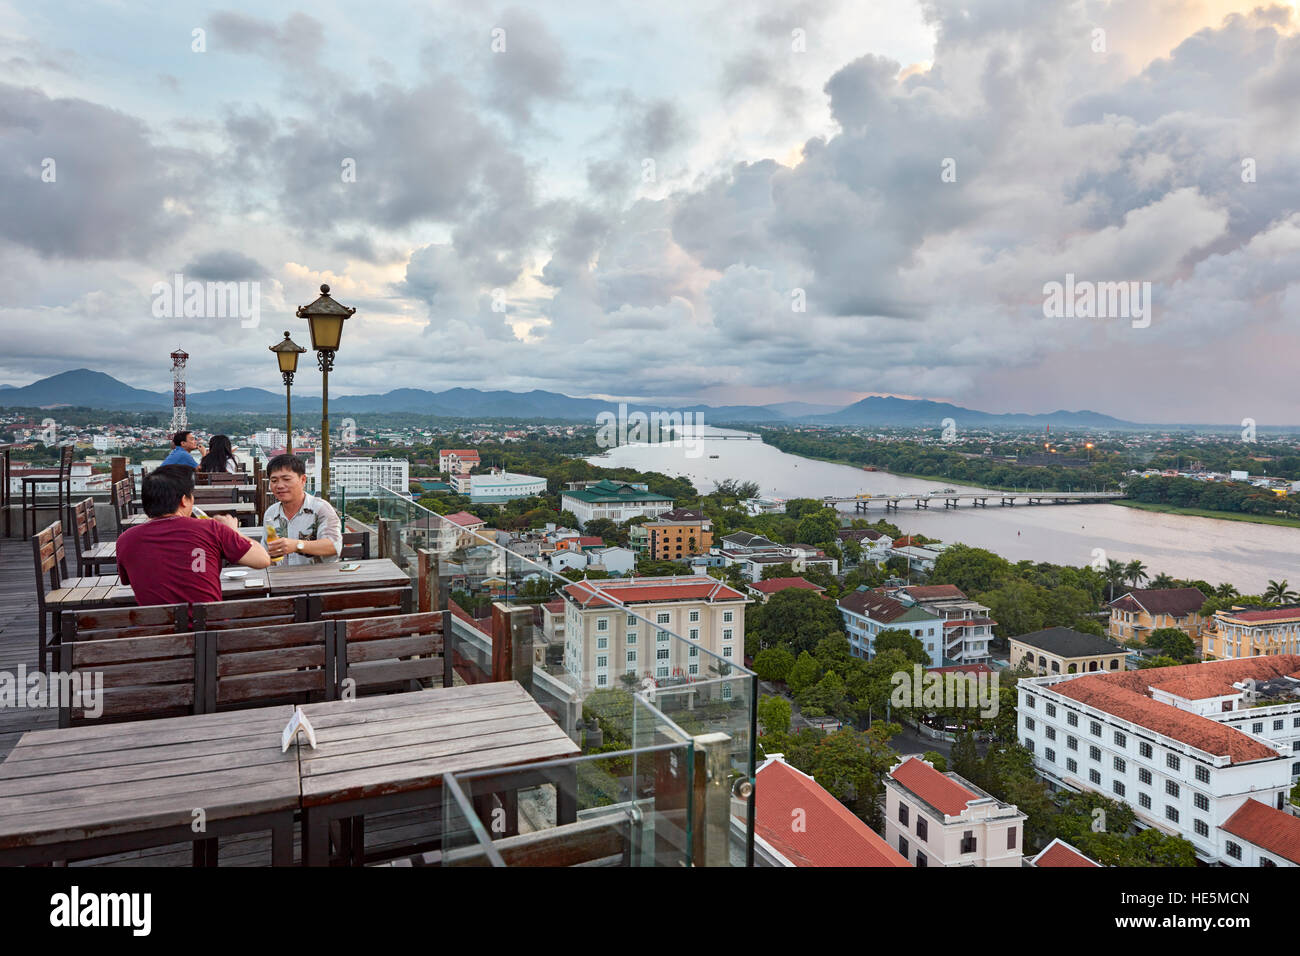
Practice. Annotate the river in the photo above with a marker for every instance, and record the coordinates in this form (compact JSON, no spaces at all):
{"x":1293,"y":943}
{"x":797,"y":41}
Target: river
{"x":1245,"y":554}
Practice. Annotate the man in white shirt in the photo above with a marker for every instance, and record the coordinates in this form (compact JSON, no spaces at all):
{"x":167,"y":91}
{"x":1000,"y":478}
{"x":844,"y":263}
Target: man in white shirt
{"x":308,"y":527}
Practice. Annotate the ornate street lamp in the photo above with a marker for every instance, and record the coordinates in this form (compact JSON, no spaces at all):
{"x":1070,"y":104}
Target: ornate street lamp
{"x":286,"y":353}
{"x":325,"y":318}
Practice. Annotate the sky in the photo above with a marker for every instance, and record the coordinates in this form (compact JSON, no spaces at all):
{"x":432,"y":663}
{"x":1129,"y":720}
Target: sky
{"x":719,"y":202}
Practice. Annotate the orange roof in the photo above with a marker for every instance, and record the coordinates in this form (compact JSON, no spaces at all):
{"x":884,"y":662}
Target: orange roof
{"x":647,"y":590}
{"x":458,"y":452}
{"x":1271,"y":616}
{"x":772,"y":585}
{"x":1273,"y":830}
{"x":464,"y":519}
{"x":938,"y":790}
{"x":831,"y":834}
{"x":1126,"y":694}
{"x":930,"y":592}
{"x":1196,"y":688}
{"x":1060,"y":853}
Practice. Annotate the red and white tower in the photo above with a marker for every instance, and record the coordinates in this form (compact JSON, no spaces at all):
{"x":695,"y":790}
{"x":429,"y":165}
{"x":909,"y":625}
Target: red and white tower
{"x":179,"y":420}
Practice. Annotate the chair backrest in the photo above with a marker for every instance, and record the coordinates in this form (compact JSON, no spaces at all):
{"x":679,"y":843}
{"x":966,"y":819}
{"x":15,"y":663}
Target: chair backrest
{"x":51,"y":559}
{"x":87,"y":528}
{"x":356,"y":546}
{"x":143,"y":677}
{"x":382,"y":652}
{"x":217,"y":478}
{"x":368,"y":602}
{"x":250,"y":612}
{"x":214,"y":493}
{"x":123,"y":492}
{"x":265,"y":665}
{"x":65,"y":463}
{"x":106,"y":623}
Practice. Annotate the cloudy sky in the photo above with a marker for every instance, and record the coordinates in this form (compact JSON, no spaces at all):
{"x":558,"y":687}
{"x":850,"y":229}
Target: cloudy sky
{"x":678,"y":201}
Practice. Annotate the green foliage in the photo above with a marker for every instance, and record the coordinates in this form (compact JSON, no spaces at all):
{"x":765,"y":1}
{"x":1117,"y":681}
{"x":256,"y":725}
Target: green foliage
{"x":937,"y":760}
{"x":1160,"y":660}
{"x":913,"y":648}
{"x":965,"y":757}
{"x":1173,"y":642}
{"x":819,"y":527}
{"x":805,"y":673}
{"x":971,"y":569}
{"x":773,"y":663}
{"x":795,"y":617}
{"x":851,"y":766}
{"x":774,"y":715}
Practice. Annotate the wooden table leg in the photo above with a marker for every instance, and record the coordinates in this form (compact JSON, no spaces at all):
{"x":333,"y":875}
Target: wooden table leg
{"x":566,"y":795}
{"x":357,"y":850}
{"x":205,"y":852}
{"x":282,"y":842}
{"x":315,"y":838}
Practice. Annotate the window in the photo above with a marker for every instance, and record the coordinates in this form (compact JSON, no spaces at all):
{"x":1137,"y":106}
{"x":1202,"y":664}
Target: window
{"x":726,"y":633}
{"x":661,"y":654}
{"x":1171,"y":814}
{"x":1029,"y":723}
{"x":602,"y":624}
{"x":631,"y":657}
{"x":1201,"y":801}
{"x":922,"y":828}
{"x":1265,"y":861}
{"x":694,"y":634}
{"x":1118,"y":787}
{"x":902,"y":813}
{"x":1095,"y":753}
{"x":1095,"y":777}
{"x":920,"y":860}
{"x":1295,"y":722}
{"x":1095,"y":729}
{"x":602,"y":643}
{"x":1072,"y":719}
{"x":968,"y":842}
{"x":1257,"y":727}
{"x":1278,"y":724}
{"x":1071,"y":765}
{"x":1071,"y":743}
{"x":728,"y":616}
{"x":1051,"y":710}
{"x":1234,"y":849}
{"x":631,"y":620}
{"x":661,"y":672}
{"x":1171,"y":788}
{"x":1144,"y":800}
{"x":1029,"y":744}
{"x":662,"y":617}
{"x":661,"y":636}
{"x":1051,"y":733}
{"x":694,"y":617}
{"x":1120,"y":765}
{"x":694,"y":669}
{"x":1144,"y":775}
{"x":694,"y":651}
{"x":602,"y":660}
{"x":1172,"y":762}
{"x":1050,"y":754}
{"x":1144,"y":749}
{"x":601,"y":680}
{"x":631,"y":637}
{"x":726,"y":652}
{"x":1120,"y":739}
{"x":1203,"y":774}
{"x":1011,"y":838}
{"x":902,"y":846}
{"x":1201,"y":827}
{"x":1029,"y":701}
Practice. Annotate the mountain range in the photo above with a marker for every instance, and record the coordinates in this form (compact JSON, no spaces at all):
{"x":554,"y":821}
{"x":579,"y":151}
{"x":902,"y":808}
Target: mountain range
{"x":84,"y":387}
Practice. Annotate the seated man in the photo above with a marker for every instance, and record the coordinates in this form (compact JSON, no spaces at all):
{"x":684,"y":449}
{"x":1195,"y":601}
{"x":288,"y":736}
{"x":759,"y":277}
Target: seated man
{"x":184,"y":443}
{"x":308,"y":528}
{"x":175,"y":558}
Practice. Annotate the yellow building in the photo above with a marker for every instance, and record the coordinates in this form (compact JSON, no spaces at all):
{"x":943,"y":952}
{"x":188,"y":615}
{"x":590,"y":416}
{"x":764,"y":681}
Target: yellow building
{"x":1252,"y":632}
{"x":678,"y":534}
{"x":1138,"y":613}
{"x":1062,"y":650}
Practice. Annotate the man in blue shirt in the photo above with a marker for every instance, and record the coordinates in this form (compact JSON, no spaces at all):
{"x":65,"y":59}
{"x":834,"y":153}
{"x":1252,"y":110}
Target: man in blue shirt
{"x":185,"y":443}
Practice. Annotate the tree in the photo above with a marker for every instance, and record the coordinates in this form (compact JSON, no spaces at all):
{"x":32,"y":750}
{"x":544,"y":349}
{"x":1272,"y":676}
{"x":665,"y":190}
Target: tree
{"x":1160,"y":660}
{"x":970,"y":569}
{"x":1173,"y":642}
{"x":965,"y":757}
{"x":804,"y":674}
{"x":851,"y":766}
{"x":936,"y":759}
{"x":897,"y":639}
{"x":819,"y":527}
{"x":1114,"y":575}
{"x":1279,"y":593}
{"x":773,"y":663}
{"x":783,"y":570}
{"x":605,"y":529}
{"x":1017,"y":606}
{"x":797,"y":618}
{"x":1162,"y":580}
{"x":1135,"y":571}
{"x":774,"y":715}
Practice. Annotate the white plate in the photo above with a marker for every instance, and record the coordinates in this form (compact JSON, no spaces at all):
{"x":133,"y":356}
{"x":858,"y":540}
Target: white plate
{"x":234,"y":573}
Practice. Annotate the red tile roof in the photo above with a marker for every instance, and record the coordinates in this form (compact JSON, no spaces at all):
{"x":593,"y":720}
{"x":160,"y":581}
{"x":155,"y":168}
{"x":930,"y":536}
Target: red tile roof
{"x":464,"y":519}
{"x":458,"y":452}
{"x":1060,"y":853}
{"x":1196,"y":688}
{"x":1176,"y":601}
{"x":650,"y":590}
{"x":556,"y":606}
{"x":831,"y":834}
{"x":1273,"y":830}
{"x":772,"y":585}
{"x":1126,"y":694}
{"x":1271,"y":615}
{"x":873,"y":605}
{"x":932,"y":592}
{"x":961,"y":669}
{"x":938,"y":790}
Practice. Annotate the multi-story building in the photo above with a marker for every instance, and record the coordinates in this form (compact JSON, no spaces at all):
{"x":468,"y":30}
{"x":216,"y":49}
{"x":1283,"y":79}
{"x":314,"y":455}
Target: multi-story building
{"x":942,"y":819}
{"x":465,"y":530}
{"x":967,"y":627}
{"x":616,"y":500}
{"x":363,"y":477}
{"x":866,"y":613}
{"x":1185,"y":746}
{"x":270,"y":438}
{"x":615,"y":627}
{"x":1249,"y":632}
{"x":875,"y":545}
{"x":498,"y":487}
{"x":678,"y":534}
{"x":1138,"y":613}
{"x":1062,"y":650}
{"x":763,"y":590}
{"x":454,"y":461}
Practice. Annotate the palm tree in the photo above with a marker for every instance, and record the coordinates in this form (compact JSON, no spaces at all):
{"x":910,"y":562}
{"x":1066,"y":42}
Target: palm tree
{"x":1226,"y":590}
{"x":1114,"y":575}
{"x":1162,"y":580}
{"x":1279,"y":593}
{"x":1135,"y":571}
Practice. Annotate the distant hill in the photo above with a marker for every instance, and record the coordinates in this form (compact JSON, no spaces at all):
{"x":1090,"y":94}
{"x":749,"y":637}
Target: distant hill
{"x":878,"y":410}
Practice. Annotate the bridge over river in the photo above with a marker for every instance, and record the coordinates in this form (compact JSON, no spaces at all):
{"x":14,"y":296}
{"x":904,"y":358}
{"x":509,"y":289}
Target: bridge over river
{"x":978,"y":499}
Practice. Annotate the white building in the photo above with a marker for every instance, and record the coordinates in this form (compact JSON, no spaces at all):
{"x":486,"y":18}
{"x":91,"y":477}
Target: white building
{"x":363,"y":477}
{"x":502,"y":486}
{"x":942,"y":819}
{"x":1185,"y":747}
{"x":271,"y":438}
{"x":867,"y":613}
{"x":615,"y":627}
{"x":616,"y":500}
{"x":967,"y":627}
{"x":453,"y":461}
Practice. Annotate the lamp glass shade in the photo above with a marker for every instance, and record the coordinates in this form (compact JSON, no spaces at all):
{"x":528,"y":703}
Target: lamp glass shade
{"x":288,"y":361}
{"x":326,"y":330}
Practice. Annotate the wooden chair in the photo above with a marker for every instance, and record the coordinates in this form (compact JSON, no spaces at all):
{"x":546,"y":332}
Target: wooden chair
{"x":218,"y":478}
{"x":254,"y":612}
{"x":107,"y":623}
{"x":368,"y":602}
{"x":63,"y":486}
{"x":260,"y":666}
{"x":213,"y":493}
{"x":388,"y":653}
{"x":123,"y":493}
{"x":356,"y":546}
{"x":91,"y":552}
{"x":143,"y":677}
{"x":51,"y":560}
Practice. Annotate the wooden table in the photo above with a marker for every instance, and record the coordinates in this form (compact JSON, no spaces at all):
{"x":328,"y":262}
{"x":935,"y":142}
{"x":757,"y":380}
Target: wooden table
{"x":385,"y":753}
{"x":307,"y":578}
{"x":91,"y":791}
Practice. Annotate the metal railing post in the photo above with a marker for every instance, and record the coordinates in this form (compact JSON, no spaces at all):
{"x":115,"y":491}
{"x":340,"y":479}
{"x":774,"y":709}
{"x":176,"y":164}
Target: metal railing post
{"x":711,"y":809}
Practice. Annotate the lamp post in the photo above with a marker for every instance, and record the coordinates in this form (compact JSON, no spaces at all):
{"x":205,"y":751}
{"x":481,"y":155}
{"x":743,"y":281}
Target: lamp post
{"x":325,"y":318}
{"x":286,"y":353}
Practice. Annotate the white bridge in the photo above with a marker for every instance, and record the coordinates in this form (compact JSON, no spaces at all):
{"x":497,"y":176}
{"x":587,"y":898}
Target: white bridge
{"x":977,"y":499}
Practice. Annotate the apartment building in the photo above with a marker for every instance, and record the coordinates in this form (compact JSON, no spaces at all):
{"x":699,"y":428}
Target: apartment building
{"x":616,"y":627}
{"x":875,"y":545}
{"x":1185,"y":747}
{"x":1250,"y":632}
{"x":866,"y":613}
{"x":678,"y":534}
{"x":363,"y":477}
{"x":453,"y":461}
{"x":967,"y":627}
{"x":1063,"y":650}
{"x":942,"y":819}
{"x":616,"y":500}
{"x":1138,"y":613}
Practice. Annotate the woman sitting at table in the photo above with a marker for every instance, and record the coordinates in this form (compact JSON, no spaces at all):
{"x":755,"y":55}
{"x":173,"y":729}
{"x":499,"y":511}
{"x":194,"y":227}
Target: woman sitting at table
{"x":220,"y":456}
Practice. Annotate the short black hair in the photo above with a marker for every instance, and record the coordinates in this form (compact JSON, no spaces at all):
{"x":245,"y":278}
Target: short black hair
{"x":291,"y":462}
{"x":164,"y":488}
{"x":179,"y":438}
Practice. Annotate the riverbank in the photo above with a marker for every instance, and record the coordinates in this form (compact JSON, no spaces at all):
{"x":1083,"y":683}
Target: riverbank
{"x":943,"y":479}
{"x":1207,"y":513}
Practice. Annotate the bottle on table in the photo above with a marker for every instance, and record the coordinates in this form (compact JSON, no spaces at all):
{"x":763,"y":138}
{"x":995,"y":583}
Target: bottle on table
{"x":271,"y":535}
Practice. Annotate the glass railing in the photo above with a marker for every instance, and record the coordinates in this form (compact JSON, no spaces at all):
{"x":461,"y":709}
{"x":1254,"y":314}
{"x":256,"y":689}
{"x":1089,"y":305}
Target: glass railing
{"x":612,"y":678}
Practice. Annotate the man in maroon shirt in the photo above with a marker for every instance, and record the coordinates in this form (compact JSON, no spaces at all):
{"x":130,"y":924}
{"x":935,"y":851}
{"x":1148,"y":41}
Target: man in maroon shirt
{"x":175,"y":558}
